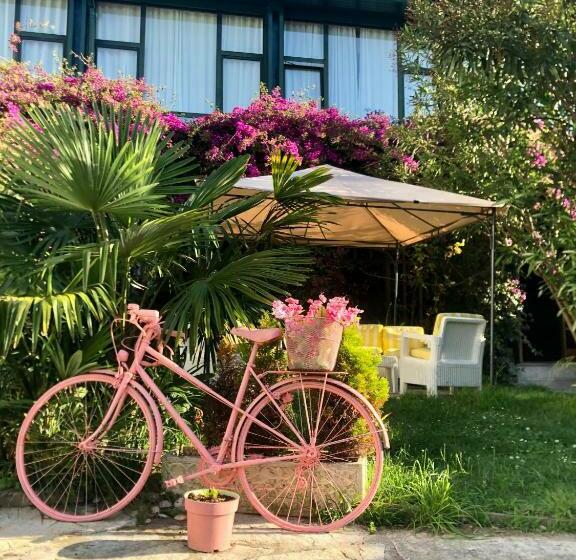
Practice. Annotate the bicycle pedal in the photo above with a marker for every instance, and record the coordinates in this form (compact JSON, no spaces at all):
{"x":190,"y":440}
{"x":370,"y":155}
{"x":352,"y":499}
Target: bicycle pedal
{"x":174,"y":482}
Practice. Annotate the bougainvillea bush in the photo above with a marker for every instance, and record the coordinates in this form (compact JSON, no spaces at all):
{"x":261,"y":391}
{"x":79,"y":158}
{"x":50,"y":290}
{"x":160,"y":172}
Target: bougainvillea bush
{"x":22,"y":87}
{"x":312,"y":135}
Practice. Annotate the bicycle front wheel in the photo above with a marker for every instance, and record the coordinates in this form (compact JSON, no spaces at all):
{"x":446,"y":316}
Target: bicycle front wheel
{"x":69,"y":480}
{"x":337,"y":456}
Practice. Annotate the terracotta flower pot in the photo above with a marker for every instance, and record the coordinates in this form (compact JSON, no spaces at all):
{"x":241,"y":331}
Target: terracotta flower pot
{"x":210,"y":524}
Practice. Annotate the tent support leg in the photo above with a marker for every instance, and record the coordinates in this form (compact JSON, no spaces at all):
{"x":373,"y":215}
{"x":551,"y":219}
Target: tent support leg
{"x":396,"y":282}
{"x":492,"y":284}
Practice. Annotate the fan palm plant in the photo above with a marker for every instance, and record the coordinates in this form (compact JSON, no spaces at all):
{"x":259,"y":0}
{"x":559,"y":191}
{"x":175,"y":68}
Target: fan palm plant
{"x":89,"y":221}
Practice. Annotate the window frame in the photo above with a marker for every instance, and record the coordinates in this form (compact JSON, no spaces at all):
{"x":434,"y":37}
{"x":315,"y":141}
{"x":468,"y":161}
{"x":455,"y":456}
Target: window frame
{"x":220,"y":54}
{"x":287,"y":61}
{"x":64,"y":40}
{"x":306,"y":63}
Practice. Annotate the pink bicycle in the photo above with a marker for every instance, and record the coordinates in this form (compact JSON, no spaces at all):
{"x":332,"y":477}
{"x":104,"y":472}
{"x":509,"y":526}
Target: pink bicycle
{"x":88,"y":445}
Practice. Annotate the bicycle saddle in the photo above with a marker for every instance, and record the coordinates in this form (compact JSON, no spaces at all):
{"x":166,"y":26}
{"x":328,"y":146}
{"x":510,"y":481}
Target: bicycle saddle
{"x":259,"y":336}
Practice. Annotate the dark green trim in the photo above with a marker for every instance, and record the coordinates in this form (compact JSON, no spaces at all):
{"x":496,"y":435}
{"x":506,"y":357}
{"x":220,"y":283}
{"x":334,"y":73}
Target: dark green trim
{"x":401,"y":98}
{"x":142,"y":51}
{"x":326,"y":73}
{"x":219,"y":64}
{"x":46,"y":37}
{"x":119,"y":45}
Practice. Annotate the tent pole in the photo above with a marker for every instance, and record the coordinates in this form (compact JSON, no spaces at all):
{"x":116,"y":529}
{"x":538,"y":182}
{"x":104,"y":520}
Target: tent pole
{"x":396,"y":282}
{"x":492,"y":283}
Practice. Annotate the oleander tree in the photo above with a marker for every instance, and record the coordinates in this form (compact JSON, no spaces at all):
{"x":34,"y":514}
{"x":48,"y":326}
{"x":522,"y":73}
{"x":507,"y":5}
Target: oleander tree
{"x":495,"y":116}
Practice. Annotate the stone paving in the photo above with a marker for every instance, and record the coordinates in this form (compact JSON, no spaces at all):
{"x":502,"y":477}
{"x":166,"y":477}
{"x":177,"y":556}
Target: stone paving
{"x":25,"y":535}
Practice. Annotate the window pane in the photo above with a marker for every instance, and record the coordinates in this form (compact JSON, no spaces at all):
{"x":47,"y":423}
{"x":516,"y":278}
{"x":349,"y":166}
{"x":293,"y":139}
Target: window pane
{"x":44,"y":16}
{"x":305,"y":40}
{"x":303,"y":84}
{"x":181,"y":58}
{"x":409,"y":90}
{"x":242,"y":34}
{"x":43,"y":53}
{"x":378,"y":72}
{"x":118,"y":22}
{"x":117,"y":62}
{"x":6,"y":26}
{"x":343,"y":69}
{"x":241,"y":82}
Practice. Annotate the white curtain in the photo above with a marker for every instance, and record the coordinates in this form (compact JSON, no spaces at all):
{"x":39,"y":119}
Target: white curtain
{"x":181,"y":58}
{"x":46,"y":54}
{"x":118,"y":22}
{"x":378,"y":72}
{"x":304,"y":40}
{"x":44,"y":16}
{"x":241,"y":82}
{"x":6,"y":26}
{"x":303,"y":84}
{"x":343,"y":69}
{"x":242,"y":34}
{"x":115,"y":63}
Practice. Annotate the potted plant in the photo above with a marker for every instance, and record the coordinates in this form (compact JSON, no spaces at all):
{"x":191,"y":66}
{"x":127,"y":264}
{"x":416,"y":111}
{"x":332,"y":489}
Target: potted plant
{"x":210,"y":518}
{"x":313,"y":337}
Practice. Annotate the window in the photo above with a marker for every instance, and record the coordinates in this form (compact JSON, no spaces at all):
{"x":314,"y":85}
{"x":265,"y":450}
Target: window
{"x":7,"y":17}
{"x":118,"y":39}
{"x":43,"y":28}
{"x":177,"y":52}
{"x":419,"y":65}
{"x":360,"y":63}
{"x":241,"y":59}
{"x":304,"y":60}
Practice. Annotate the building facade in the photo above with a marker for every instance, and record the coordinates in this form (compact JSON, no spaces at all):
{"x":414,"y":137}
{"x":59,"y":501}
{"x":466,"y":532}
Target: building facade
{"x":203,"y":55}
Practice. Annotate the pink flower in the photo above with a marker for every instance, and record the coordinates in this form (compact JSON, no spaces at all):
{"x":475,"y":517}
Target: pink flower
{"x":13,"y":42}
{"x":539,"y":123}
{"x":410,"y":163}
{"x":538,"y":158}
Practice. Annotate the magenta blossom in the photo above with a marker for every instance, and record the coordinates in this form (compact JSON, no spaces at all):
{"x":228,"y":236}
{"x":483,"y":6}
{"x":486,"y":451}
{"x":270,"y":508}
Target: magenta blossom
{"x":410,"y":163}
{"x":335,"y":309}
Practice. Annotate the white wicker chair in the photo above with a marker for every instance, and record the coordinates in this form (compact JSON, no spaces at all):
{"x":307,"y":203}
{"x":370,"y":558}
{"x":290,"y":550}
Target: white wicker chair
{"x":451,"y":357}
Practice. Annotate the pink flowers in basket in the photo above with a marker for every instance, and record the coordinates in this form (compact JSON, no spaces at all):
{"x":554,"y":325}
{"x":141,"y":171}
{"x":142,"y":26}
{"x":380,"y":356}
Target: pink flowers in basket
{"x":335,"y":309}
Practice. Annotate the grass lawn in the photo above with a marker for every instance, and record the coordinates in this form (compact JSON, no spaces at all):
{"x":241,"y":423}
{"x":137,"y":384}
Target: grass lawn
{"x":505,"y":456}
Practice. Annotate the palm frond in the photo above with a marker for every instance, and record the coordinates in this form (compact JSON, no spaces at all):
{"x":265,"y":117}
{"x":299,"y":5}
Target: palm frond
{"x":42,"y":314}
{"x":206,"y":306}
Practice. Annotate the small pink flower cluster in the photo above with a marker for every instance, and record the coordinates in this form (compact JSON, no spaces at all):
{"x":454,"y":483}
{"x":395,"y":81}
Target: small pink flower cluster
{"x":410,"y":163}
{"x":539,"y":160}
{"x":567,"y":204}
{"x":334,"y":309}
{"x":515,"y":291}
{"x":22,"y":87}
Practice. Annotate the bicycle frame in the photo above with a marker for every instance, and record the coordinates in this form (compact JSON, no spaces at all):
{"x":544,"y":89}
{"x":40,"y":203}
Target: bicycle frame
{"x":144,"y":349}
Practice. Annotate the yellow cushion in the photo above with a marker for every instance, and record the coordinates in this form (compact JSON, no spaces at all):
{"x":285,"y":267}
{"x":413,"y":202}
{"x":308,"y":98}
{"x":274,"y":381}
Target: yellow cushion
{"x":440,"y":316}
{"x":422,"y":353}
{"x":371,"y":335}
{"x":391,"y":338}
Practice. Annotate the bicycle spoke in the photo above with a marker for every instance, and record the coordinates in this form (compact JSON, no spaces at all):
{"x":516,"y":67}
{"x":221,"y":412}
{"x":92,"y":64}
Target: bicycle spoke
{"x":315,"y":496}
{"x":73,"y":474}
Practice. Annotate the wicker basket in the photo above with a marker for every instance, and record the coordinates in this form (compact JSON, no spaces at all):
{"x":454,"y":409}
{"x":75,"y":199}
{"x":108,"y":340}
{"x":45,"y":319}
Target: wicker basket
{"x":313,"y":345}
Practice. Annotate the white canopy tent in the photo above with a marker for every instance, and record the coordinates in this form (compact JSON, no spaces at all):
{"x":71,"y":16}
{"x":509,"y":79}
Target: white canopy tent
{"x":378,"y":213}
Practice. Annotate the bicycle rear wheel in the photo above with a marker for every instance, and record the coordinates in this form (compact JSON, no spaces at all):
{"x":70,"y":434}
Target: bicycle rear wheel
{"x":72,"y":482}
{"x":337,"y":440}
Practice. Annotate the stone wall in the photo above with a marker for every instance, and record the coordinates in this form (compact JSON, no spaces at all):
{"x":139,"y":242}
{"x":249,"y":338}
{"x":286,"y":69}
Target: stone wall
{"x":351,"y":478}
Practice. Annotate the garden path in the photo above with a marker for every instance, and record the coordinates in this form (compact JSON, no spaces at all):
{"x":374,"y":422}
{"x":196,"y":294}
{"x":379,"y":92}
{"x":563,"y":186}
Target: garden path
{"x":24,"y":535}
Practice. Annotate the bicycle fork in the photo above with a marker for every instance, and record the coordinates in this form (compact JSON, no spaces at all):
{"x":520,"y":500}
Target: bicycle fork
{"x":91,"y":442}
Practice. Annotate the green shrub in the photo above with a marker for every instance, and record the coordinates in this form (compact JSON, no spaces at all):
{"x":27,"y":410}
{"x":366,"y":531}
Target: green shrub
{"x":361,"y":364}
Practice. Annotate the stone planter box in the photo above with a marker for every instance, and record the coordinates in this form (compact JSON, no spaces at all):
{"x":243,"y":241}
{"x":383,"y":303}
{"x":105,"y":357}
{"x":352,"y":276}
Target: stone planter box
{"x":351,"y":478}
